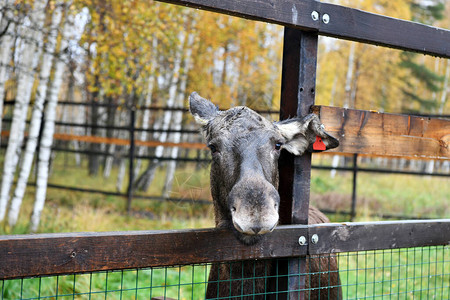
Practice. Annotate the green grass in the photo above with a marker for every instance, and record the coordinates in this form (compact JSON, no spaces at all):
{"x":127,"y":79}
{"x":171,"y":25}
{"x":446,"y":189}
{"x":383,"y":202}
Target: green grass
{"x":187,"y":282}
{"x":414,"y":273}
{"x":380,"y":194}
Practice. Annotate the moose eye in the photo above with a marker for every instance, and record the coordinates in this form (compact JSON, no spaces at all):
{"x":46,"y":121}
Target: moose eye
{"x":212,"y":148}
{"x":278,"y":146}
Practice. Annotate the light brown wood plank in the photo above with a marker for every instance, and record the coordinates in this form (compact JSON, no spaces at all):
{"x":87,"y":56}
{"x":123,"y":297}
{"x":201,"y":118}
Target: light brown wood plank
{"x":373,"y":133}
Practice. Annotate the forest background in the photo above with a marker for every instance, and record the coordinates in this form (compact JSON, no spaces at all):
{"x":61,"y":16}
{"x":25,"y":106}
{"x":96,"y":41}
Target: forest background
{"x":115,"y":55}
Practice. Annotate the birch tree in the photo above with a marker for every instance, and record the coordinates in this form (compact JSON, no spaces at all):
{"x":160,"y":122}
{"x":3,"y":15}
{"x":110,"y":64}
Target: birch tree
{"x":49,"y":124}
{"x":36,"y":116}
{"x":178,"y":118}
{"x":7,"y":22}
{"x":147,"y":103}
{"x":445,"y":88}
{"x":31,"y":35}
{"x":150,"y":173}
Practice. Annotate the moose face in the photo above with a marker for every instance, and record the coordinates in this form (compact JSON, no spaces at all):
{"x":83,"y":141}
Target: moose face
{"x":245,"y":148}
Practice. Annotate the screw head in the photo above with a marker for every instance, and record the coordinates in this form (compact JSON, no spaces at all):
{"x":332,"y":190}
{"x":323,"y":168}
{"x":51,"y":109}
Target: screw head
{"x":315,"y":15}
{"x":326,"y":18}
{"x":314,"y":238}
{"x":302,"y":240}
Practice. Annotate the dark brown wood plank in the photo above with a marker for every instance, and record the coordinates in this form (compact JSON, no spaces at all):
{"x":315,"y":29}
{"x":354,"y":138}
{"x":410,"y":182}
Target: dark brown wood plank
{"x":297,"y":96}
{"x":50,"y":254}
{"x":345,"y":23}
{"x":373,"y":133}
{"x":334,"y":238}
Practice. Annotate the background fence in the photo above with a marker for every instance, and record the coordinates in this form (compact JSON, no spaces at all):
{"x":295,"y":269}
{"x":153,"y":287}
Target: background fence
{"x":76,"y":138}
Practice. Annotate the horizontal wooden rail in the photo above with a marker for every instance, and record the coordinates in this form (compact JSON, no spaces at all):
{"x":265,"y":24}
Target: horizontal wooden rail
{"x":49,"y":254}
{"x":382,"y":134}
{"x":67,"y":253}
{"x":120,"y":142}
{"x":362,"y":236}
{"x":340,"y":22}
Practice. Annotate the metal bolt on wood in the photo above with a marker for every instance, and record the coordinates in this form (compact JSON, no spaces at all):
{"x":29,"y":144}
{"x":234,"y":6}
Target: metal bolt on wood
{"x":326,"y":18}
{"x":314,"y":238}
{"x":302,"y":240}
{"x":315,"y":15}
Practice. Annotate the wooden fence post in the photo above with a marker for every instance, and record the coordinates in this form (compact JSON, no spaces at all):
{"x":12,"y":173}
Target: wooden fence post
{"x":297,"y":96}
{"x":354,"y":185}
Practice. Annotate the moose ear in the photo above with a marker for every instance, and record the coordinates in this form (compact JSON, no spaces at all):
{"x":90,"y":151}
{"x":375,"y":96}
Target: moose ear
{"x":305,"y":133}
{"x":203,"y":110}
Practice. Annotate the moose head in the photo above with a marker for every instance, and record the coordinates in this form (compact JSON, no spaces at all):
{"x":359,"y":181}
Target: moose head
{"x":245,"y":148}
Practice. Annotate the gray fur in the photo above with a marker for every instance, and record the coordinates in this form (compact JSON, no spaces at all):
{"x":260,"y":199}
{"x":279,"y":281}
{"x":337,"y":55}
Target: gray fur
{"x":244,"y":175}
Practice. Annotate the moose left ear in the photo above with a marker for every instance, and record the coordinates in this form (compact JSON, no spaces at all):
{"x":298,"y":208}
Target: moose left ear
{"x":203,"y":110}
{"x":305,"y":133}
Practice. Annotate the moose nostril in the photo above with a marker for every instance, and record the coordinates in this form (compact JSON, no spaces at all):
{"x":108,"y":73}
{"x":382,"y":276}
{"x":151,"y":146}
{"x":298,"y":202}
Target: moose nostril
{"x":256,"y":229}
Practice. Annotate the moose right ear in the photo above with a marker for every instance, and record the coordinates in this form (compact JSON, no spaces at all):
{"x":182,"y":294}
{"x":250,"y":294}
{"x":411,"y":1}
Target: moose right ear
{"x":203,"y":110}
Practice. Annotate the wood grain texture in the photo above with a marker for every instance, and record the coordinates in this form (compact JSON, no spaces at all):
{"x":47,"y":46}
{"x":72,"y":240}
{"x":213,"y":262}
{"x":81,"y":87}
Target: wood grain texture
{"x":335,"y":238}
{"x":345,"y":23}
{"x":373,"y":133}
{"x":298,"y":86}
{"x":50,"y":254}
{"x":67,"y":253}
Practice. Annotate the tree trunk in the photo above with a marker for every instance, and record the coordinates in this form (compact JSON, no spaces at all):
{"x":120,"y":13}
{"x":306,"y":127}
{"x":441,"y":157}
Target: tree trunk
{"x":349,"y":76}
{"x":178,"y":117}
{"x":94,"y":162}
{"x":122,"y":150}
{"x":148,"y":101}
{"x":36,"y":117}
{"x":5,"y":51}
{"x":170,"y":103}
{"x":445,"y":88}
{"x":142,"y":183}
{"x":28,"y":65}
{"x":111,"y":121}
{"x":49,"y":125}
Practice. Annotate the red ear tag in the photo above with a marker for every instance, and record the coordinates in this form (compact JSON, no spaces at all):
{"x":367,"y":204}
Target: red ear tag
{"x":319,"y":145}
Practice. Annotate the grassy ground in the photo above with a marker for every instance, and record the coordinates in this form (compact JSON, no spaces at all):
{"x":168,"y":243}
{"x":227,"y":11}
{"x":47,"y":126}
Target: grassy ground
{"x":410,"y":274}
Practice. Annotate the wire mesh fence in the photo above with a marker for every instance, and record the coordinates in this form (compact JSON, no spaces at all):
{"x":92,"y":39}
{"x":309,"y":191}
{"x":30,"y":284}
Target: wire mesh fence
{"x":408,"y":273}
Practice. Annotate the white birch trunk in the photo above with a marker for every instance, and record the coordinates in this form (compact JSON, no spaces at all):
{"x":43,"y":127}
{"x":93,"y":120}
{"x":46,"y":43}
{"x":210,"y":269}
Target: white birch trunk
{"x":147,"y":103}
{"x":5,"y":55}
{"x":170,"y":103}
{"x":36,"y":117}
{"x":2,"y":9}
{"x":178,"y":118}
{"x":334,"y":164}
{"x":119,"y":117}
{"x":429,"y":167}
{"x":349,"y":76}
{"x":79,"y":116}
{"x":121,"y":174}
{"x":109,"y":161}
{"x":5,"y":7}
{"x":30,"y":57}
{"x":122,"y":163}
{"x":445,"y":88}
{"x":49,"y":126}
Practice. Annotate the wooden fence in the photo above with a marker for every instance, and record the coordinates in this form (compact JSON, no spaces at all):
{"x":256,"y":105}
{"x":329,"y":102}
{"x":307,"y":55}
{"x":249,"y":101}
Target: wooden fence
{"x":365,"y":132}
